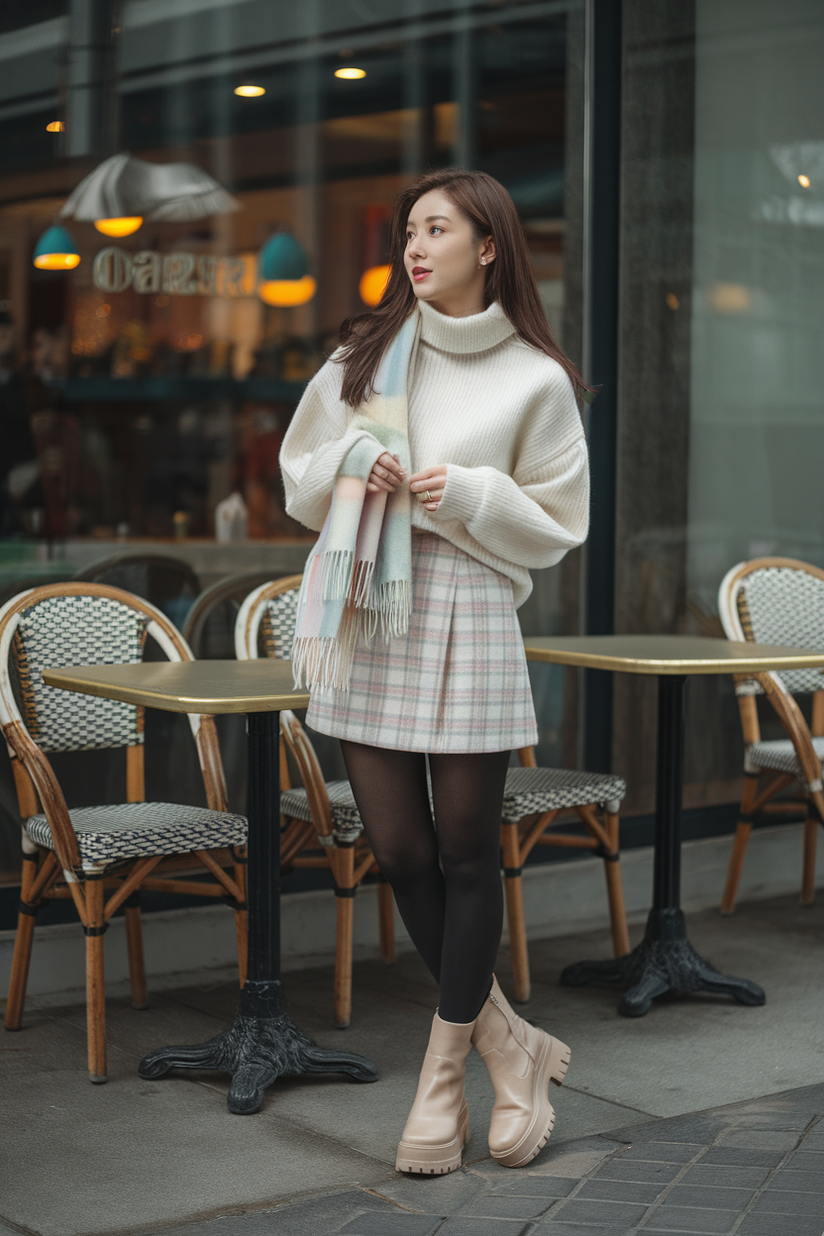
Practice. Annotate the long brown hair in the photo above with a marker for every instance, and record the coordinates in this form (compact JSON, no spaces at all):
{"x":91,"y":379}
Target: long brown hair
{"x":509,"y":280}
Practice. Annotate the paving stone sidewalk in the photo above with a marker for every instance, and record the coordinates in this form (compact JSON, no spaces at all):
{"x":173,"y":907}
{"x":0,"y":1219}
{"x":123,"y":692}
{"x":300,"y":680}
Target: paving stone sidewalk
{"x":754,"y":1169}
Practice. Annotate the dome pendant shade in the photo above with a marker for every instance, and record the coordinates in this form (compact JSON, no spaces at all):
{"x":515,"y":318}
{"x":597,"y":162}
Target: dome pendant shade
{"x":123,"y":187}
{"x":282,"y":258}
{"x":286,"y":292}
{"x":124,"y":226}
{"x":55,"y":250}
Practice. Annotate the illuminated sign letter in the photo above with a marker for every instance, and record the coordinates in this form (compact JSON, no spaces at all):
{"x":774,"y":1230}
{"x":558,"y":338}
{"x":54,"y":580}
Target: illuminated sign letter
{"x":178,"y":271}
{"x":112,"y":270}
{"x":232,"y":269}
{"x":147,"y":271}
{"x":207,"y":275}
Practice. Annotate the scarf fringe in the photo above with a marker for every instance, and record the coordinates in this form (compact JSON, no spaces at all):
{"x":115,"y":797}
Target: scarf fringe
{"x":391,"y":609}
{"x":335,"y":573}
{"x":326,"y":661}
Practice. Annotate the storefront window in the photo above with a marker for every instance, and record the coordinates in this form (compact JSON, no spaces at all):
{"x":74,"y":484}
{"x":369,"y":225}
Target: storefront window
{"x":192,"y":200}
{"x":722,"y":330}
{"x":164,"y":364}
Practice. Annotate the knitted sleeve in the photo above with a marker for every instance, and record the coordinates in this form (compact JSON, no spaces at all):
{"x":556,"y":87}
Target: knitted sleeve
{"x":314,"y":447}
{"x":536,"y":515}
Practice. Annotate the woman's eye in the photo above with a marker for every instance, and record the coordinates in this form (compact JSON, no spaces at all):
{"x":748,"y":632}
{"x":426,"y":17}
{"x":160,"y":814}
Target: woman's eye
{"x":432,"y":230}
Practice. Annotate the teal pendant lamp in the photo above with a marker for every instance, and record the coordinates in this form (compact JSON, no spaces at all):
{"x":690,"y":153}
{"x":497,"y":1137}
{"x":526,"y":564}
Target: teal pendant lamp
{"x":283,"y":272}
{"x":55,"y":250}
{"x":282,"y":258}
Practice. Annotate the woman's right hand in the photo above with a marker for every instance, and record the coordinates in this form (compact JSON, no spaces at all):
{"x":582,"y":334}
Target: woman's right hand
{"x":386,"y":474}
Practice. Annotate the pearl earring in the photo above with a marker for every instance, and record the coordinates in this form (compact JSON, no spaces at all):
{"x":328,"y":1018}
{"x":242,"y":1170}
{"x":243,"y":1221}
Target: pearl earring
{"x":483,"y":261}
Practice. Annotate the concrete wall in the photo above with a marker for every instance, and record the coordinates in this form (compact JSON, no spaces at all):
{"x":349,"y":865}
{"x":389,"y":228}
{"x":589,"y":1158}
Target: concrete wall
{"x":199,"y":944}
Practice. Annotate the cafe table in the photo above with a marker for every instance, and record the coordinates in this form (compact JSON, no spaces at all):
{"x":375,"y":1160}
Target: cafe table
{"x":665,"y":960}
{"x":263,"y":1043}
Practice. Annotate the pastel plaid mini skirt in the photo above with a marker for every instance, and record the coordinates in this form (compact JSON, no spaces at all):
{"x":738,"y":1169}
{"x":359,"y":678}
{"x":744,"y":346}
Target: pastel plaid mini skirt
{"x":457,"y":682}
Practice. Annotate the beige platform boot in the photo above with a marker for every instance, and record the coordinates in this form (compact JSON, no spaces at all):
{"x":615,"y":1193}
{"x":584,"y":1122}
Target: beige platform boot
{"x":522,"y":1060}
{"x":438,"y":1126}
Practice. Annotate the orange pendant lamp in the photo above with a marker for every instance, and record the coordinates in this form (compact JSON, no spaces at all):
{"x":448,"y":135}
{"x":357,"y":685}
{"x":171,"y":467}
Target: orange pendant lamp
{"x":376,"y":269}
{"x":123,"y":226}
{"x":55,"y":250}
{"x":283,"y":271}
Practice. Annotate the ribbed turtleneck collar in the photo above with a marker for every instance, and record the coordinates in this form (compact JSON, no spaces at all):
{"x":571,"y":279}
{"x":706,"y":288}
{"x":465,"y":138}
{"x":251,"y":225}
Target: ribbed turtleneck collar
{"x":477,"y":333}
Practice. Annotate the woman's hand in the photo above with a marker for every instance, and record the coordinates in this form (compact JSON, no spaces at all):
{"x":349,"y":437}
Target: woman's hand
{"x":386,"y":474}
{"x":428,"y":486}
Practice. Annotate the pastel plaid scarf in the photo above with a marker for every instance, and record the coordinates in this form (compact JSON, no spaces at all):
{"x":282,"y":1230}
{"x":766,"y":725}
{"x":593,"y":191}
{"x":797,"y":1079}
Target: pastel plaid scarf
{"x":359,"y":575}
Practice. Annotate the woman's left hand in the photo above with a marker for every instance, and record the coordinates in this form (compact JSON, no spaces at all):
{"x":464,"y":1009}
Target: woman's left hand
{"x":428,"y":486}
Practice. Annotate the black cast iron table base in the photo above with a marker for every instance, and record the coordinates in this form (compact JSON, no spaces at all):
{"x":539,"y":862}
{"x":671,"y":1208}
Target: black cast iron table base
{"x":663,"y":961}
{"x":262,"y":1045}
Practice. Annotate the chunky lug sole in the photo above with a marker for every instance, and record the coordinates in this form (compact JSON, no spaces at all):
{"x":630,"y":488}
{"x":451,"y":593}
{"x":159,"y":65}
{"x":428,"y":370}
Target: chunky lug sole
{"x":435,"y":1160}
{"x":551,"y":1065}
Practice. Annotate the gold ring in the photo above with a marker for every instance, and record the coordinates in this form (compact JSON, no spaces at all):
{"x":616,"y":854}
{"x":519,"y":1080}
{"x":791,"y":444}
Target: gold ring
{"x":427,"y":495}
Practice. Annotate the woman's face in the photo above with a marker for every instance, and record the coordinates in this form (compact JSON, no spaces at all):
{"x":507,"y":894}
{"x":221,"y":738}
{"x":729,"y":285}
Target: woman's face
{"x":445,"y":263}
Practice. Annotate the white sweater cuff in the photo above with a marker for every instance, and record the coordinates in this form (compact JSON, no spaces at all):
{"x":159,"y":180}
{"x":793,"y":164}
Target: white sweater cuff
{"x":462,"y":493}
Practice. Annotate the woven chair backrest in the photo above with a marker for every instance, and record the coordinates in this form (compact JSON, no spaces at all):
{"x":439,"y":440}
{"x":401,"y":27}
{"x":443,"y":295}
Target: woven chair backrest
{"x":265,"y":624}
{"x":75,"y":624}
{"x":303,"y":753}
{"x":210,"y":623}
{"x":168,"y":583}
{"x":777,"y":601}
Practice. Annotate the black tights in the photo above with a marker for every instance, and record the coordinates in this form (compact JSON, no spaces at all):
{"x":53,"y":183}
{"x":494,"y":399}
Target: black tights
{"x":447,"y":883}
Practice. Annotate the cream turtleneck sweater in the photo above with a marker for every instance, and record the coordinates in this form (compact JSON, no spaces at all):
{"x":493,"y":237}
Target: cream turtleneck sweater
{"x":500,"y":414}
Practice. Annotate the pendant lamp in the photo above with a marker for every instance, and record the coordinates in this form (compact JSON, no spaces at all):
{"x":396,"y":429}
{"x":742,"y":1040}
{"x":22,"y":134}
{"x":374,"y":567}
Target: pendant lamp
{"x":55,"y":250}
{"x":373,"y":284}
{"x":123,"y":191}
{"x":283,"y":271}
{"x":122,"y":226}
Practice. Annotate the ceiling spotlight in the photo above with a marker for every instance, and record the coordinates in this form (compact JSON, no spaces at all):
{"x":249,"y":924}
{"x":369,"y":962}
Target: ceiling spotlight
{"x":55,"y":126}
{"x":250,"y":92}
{"x":804,"y":181}
{"x":350,"y":75}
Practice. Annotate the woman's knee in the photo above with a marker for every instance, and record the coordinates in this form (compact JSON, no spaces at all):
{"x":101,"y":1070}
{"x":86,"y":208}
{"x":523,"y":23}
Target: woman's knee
{"x":400,"y":867}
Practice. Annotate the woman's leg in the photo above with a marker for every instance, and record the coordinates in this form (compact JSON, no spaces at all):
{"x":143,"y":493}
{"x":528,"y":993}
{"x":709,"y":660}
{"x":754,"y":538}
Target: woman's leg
{"x":393,"y":799}
{"x":468,"y":795}
{"x":447,"y":885}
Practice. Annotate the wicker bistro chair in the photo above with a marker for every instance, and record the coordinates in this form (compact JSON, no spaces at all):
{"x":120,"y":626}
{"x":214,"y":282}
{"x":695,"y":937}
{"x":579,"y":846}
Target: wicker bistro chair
{"x":533,"y":799}
{"x":320,"y":823}
{"x":210,"y":623}
{"x":168,"y":583}
{"x":101,"y":856}
{"x":777,"y":601}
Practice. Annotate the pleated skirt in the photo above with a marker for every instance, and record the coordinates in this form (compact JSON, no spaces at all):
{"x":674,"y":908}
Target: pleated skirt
{"x":456,"y":682}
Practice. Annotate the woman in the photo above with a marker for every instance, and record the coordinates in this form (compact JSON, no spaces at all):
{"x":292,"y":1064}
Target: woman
{"x":449,"y":409}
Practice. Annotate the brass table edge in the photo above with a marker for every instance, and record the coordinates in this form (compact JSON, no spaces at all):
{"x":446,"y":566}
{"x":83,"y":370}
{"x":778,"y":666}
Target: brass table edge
{"x":631,"y":665}
{"x":146,"y":698}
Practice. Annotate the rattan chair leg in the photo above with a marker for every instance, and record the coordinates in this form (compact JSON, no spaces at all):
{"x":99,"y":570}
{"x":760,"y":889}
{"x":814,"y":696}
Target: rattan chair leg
{"x":386,"y":921}
{"x":513,"y":890}
{"x":808,"y":876}
{"x":343,"y":869}
{"x":615,"y":890}
{"x":739,"y":849}
{"x":134,"y":944}
{"x":18,"y":980}
{"x":241,"y":924}
{"x":21,"y":957}
{"x":95,"y":981}
{"x":739,"y":845}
